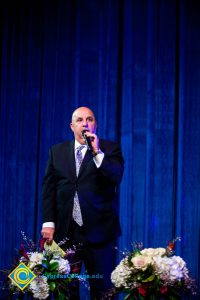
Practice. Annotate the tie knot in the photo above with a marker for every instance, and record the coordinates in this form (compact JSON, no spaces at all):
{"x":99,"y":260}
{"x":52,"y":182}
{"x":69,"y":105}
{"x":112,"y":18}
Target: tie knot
{"x":79,"y":149}
{"x":78,"y":152}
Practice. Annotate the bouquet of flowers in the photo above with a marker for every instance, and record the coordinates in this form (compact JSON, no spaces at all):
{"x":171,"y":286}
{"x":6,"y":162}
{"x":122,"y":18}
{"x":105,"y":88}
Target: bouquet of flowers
{"x":153,"y":273}
{"x":50,"y":269}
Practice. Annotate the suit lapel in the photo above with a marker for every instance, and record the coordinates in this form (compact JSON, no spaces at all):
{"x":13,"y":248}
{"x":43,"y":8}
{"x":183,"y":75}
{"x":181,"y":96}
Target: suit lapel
{"x":88,"y":156}
{"x":69,"y":160}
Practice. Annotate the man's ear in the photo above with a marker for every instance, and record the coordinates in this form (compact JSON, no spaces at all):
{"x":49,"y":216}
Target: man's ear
{"x":72,"y":126}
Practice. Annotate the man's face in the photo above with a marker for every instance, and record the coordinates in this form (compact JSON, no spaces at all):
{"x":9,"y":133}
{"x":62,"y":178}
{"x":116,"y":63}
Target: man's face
{"x":83,"y":118}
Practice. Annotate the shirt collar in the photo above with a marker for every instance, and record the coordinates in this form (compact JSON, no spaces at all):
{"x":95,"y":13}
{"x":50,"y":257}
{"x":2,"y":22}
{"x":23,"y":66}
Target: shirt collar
{"x":77,"y":144}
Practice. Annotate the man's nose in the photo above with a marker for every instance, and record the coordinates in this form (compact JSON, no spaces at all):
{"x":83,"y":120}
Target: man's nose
{"x":85,"y":123}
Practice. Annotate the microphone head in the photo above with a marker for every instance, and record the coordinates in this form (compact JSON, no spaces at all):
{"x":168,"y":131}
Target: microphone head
{"x":87,"y":139}
{"x":83,"y":132}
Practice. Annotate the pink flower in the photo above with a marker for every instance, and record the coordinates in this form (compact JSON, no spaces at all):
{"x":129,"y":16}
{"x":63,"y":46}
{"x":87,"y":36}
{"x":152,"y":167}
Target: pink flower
{"x":42,"y":242}
{"x":171,"y":245}
{"x":141,"y":262}
{"x":142,"y":291}
{"x":75,"y":269}
{"x":22,"y":251}
{"x":163,"y":290}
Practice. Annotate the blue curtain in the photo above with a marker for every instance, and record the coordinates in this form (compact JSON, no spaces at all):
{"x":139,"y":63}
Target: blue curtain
{"x":136,"y":63}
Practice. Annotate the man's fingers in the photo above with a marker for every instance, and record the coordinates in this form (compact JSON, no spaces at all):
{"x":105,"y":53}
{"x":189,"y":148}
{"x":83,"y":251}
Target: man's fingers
{"x":49,"y":241}
{"x":48,"y":233}
{"x":47,"y":236}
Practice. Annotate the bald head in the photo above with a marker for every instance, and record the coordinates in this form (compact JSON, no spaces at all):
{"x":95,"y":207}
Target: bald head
{"x":83,"y":119}
{"x":80,"y":110}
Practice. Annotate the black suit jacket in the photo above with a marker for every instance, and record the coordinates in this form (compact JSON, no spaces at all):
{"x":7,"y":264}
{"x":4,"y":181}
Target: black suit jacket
{"x":96,"y":188}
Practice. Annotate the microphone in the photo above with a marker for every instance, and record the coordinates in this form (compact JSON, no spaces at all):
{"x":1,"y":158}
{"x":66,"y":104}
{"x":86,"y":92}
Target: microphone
{"x":87,"y":140}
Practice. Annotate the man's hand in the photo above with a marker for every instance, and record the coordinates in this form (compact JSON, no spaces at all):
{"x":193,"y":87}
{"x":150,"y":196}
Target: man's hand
{"x":94,"y":141}
{"x":48,"y":233}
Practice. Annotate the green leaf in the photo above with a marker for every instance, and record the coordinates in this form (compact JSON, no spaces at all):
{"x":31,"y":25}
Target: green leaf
{"x":152,"y":297}
{"x":61,"y":296}
{"x":173,"y":298}
{"x":150,"y":278}
{"x":127,"y":296}
{"x":130,"y":296}
{"x":52,"y":286}
{"x":45,"y":264}
{"x":54,"y":266}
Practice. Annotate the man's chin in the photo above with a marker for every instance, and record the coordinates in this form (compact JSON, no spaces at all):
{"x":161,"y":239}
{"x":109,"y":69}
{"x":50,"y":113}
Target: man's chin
{"x":82,"y":140}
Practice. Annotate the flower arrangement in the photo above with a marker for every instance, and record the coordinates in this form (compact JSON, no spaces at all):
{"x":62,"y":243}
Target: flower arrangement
{"x":153,"y":273}
{"x":51,"y":267}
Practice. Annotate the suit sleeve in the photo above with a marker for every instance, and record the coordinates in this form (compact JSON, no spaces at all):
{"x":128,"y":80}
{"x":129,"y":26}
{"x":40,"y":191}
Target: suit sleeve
{"x":49,"y":192}
{"x":112,"y":166}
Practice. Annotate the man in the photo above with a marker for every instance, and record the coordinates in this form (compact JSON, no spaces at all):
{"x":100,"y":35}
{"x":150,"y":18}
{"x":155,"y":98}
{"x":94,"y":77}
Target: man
{"x":79,"y":197}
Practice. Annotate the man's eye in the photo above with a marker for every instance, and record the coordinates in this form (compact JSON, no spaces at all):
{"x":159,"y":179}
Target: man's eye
{"x":78,"y":120}
{"x":90,"y":119}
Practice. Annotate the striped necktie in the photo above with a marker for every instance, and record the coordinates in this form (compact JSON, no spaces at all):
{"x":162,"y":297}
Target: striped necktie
{"x":77,"y":216}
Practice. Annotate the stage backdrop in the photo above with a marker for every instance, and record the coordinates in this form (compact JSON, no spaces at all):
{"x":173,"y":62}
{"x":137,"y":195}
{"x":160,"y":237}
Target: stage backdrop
{"x":136,"y":63}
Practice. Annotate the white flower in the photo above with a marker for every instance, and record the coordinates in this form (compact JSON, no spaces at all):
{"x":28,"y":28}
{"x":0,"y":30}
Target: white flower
{"x":170,"y":269}
{"x":121,"y":273}
{"x":132,"y":272}
{"x":153,"y":252}
{"x":141,"y":262}
{"x":63,"y":265}
{"x":35,"y":258}
{"x":40,"y":288}
{"x":179,"y":261}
